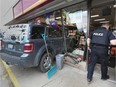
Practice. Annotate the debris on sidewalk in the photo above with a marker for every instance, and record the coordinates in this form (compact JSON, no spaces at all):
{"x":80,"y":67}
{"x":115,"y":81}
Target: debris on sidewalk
{"x":75,"y":57}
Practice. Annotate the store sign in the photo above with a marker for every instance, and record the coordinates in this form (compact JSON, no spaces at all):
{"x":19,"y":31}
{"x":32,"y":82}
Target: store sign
{"x":18,"y":9}
{"x":30,"y":4}
{"x":25,"y":6}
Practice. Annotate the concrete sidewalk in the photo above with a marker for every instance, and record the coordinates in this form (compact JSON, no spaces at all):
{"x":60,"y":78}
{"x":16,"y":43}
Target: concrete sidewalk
{"x":4,"y":78}
{"x":67,"y":77}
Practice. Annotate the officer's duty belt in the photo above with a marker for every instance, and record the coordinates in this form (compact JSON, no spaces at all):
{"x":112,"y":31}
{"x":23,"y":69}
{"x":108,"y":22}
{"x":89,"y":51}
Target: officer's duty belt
{"x":100,"y":46}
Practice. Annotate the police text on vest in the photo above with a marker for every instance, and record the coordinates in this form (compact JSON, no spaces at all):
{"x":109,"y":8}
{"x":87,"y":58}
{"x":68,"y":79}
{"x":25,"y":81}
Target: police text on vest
{"x":98,"y":34}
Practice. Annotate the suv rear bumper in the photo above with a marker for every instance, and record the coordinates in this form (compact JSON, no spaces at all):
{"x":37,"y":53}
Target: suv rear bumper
{"x":14,"y":60}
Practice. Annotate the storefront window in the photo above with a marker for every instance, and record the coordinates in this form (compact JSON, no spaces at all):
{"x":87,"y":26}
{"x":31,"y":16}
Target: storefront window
{"x":69,"y":23}
{"x":75,"y":21}
{"x":54,"y":20}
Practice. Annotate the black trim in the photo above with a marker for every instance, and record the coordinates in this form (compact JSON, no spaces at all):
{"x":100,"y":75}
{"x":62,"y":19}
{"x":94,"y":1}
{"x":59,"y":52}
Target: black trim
{"x":16,"y":3}
{"x":103,"y":4}
{"x":86,"y":51}
{"x":74,"y":4}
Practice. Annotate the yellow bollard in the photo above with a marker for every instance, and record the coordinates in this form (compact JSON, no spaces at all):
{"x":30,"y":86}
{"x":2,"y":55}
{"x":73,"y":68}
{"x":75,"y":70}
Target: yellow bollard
{"x":11,"y":75}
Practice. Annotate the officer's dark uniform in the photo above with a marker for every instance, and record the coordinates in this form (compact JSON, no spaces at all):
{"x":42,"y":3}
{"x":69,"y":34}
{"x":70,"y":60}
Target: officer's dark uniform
{"x":100,"y":40}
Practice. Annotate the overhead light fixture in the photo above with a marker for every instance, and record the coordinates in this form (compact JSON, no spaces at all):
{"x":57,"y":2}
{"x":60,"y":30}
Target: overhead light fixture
{"x":58,"y":17}
{"x":94,"y":16}
{"x":114,"y":6}
{"x":100,"y":19}
{"x":104,"y":21}
{"x":69,"y":0}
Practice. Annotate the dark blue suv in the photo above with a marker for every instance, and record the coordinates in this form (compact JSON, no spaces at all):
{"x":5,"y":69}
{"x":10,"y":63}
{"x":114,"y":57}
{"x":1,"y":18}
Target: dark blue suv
{"x":23,"y":45}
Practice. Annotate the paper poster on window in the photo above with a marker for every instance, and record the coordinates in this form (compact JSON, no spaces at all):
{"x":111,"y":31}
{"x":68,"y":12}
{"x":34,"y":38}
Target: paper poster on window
{"x":76,"y":17}
{"x":84,"y":21}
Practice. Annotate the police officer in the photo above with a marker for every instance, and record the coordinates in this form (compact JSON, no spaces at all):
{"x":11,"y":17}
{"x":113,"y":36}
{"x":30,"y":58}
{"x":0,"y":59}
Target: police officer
{"x":98,"y":43}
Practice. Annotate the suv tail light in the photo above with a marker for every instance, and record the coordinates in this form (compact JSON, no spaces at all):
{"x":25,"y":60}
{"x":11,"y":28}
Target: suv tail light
{"x":1,"y":44}
{"x":28,"y":47}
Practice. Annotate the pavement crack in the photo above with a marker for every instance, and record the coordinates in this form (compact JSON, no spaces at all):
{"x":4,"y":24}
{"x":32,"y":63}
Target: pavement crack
{"x":47,"y":83}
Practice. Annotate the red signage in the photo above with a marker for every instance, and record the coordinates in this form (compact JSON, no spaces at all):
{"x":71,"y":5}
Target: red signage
{"x":25,"y":6}
{"x":30,"y":4}
{"x":18,"y":9}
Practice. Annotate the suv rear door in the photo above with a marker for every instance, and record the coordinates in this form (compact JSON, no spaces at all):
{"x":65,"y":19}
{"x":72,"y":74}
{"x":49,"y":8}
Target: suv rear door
{"x":55,"y":38}
{"x":14,"y":39}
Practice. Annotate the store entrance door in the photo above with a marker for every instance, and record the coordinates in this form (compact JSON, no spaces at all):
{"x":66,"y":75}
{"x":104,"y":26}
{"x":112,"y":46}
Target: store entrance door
{"x":105,"y":13}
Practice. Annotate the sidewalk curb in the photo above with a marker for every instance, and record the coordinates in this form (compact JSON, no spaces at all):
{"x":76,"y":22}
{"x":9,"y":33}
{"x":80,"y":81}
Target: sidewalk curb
{"x":11,"y":75}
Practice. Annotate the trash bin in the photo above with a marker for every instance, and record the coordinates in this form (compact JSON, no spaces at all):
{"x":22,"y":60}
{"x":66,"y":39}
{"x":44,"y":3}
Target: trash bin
{"x":59,"y":61}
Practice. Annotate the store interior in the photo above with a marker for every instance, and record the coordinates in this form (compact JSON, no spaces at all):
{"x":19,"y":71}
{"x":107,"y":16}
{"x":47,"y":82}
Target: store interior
{"x":105,"y":13}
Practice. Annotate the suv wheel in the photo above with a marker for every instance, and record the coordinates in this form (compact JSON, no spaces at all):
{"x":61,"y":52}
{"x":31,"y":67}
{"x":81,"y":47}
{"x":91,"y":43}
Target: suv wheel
{"x":45,"y":62}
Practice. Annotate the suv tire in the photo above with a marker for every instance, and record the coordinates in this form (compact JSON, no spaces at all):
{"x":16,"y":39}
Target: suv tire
{"x":45,"y":62}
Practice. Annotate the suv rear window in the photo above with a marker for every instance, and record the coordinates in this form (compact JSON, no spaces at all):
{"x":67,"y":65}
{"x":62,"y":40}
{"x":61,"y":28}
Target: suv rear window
{"x":36,"y":32}
{"x":54,"y":32}
{"x":16,"y":33}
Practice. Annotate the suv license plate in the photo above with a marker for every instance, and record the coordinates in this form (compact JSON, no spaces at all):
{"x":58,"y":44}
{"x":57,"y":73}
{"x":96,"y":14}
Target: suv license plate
{"x":10,"y":46}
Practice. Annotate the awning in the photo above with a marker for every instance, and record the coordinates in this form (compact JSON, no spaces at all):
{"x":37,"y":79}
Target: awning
{"x":52,"y":6}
